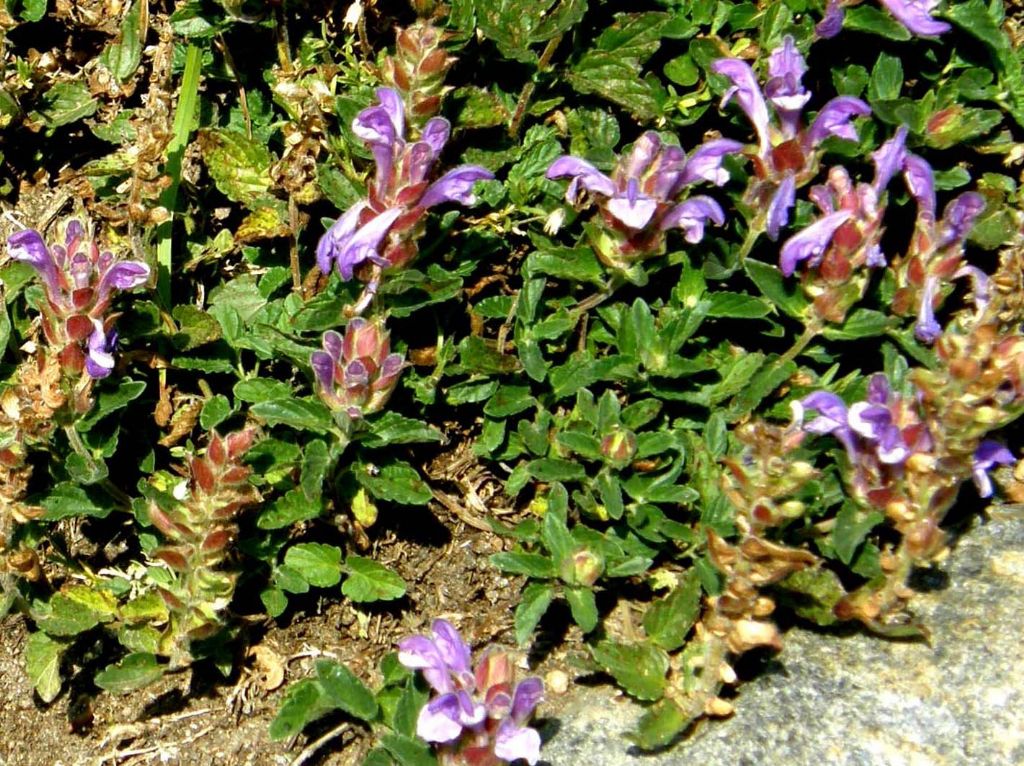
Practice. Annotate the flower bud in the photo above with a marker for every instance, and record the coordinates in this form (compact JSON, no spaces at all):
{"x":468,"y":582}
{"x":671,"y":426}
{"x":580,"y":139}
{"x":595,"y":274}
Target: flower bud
{"x":619,"y":447}
{"x":583,"y":567}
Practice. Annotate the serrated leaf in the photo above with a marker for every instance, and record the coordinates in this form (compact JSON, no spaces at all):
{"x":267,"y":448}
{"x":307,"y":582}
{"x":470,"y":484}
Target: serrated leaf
{"x":532,"y":564}
{"x":516,"y":25}
{"x":668,"y":620}
{"x":64,"y":103}
{"x":737,"y":306}
{"x":370,"y":581}
{"x":659,"y":725}
{"x":392,"y":428}
{"x":238,"y":165}
{"x":509,"y":400}
{"x":261,"y":390}
{"x":342,"y":689}
{"x":786,"y":295}
{"x":408,"y":751}
{"x":215,"y":411}
{"x":301,"y":414}
{"x":287,"y":509}
{"x":555,"y":469}
{"x":861,"y":323}
{"x":317,"y":563}
{"x":398,"y":482}
{"x":110,"y":401}
{"x":638,"y":668}
{"x":68,"y":500}
{"x":133,"y":672}
{"x":583,"y":606}
{"x":866,"y":18}
{"x":533,"y":603}
{"x":62,"y":616}
{"x":123,"y":57}
{"x":315,"y":462}
{"x":303,"y":704}
{"x":42,"y":664}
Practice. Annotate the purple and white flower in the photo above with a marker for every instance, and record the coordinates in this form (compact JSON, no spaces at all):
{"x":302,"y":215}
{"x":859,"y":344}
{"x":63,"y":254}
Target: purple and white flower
{"x":477,"y":718}
{"x":357,"y":372}
{"x":382,"y":229}
{"x":639,"y":202}
{"x":988,"y":455}
{"x":788,"y":151}
{"x":915,"y":15}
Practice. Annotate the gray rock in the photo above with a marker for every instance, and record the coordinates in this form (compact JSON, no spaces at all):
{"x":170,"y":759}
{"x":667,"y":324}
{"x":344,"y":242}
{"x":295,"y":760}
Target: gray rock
{"x":857,"y":700}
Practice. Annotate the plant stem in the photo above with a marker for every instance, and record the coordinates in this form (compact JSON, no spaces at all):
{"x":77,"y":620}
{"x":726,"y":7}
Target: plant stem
{"x":528,"y":90}
{"x":753,"y":234}
{"x":811,"y":330}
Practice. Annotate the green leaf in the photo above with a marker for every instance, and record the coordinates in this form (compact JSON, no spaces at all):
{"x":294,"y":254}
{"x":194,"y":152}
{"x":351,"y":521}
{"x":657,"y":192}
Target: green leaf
{"x":398,"y":482}
{"x":303,"y":704}
{"x":287,"y":509}
{"x":509,"y":400}
{"x":215,"y":411}
{"x":392,"y":428}
{"x":812,"y":593}
{"x":861,"y":323}
{"x":370,"y":581}
{"x":612,"y":68}
{"x":111,"y":401}
{"x":133,"y":672}
{"x":638,"y":668}
{"x":852,"y":526}
{"x":27,"y":10}
{"x":532,"y":564}
{"x":533,"y":603}
{"x":315,"y":463}
{"x":516,"y":25}
{"x":42,"y":664}
{"x":555,"y":469}
{"x":886,"y":79}
{"x":737,"y":306}
{"x":64,"y":103}
{"x":342,"y":689}
{"x":867,"y":18}
{"x":317,"y":563}
{"x":574,"y":264}
{"x":773,"y":286}
{"x":668,"y":620}
{"x":407,"y":750}
{"x":63,"y":616}
{"x":123,"y":57}
{"x":301,"y":414}
{"x":659,"y":725}
{"x":583,"y":607}
{"x":261,"y":390}
{"x":195,"y":327}
{"x":238,"y":165}
{"x":68,"y":500}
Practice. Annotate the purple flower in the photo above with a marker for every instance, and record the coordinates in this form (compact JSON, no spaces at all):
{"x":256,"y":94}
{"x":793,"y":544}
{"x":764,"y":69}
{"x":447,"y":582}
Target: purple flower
{"x":889,"y":158}
{"x":382,"y":229}
{"x":638,"y":200}
{"x":958,"y":219}
{"x":916,"y":16}
{"x":811,"y":243}
{"x":477,"y":716}
{"x":788,"y":152}
{"x":100,"y":360}
{"x":988,"y":455}
{"x":832,"y":22}
{"x":356,"y":373}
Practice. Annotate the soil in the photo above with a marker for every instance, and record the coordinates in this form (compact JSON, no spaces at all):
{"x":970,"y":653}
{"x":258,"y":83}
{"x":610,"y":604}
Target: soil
{"x":196,"y":718}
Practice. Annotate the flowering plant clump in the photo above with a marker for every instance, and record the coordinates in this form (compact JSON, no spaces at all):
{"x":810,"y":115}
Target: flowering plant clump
{"x":79,"y":284}
{"x":380,"y":232}
{"x":638,"y":202}
{"x":478,"y":717}
{"x":660,"y":389}
{"x":788,"y":151}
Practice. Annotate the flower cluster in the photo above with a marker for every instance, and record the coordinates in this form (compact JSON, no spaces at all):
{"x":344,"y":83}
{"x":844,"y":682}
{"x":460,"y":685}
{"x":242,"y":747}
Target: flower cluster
{"x":883,"y":435}
{"x":935,"y":255}
{"x":79,"y":283}
{"x":380,"y":232}
{"x":638,"y":201}
{"x":201,"y":528}
{"x":836,"y":247}
{"x":788,"y":152}
{"x":477,"y":717}
{"x":357,"y":372}
{"x":915,"y":15}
